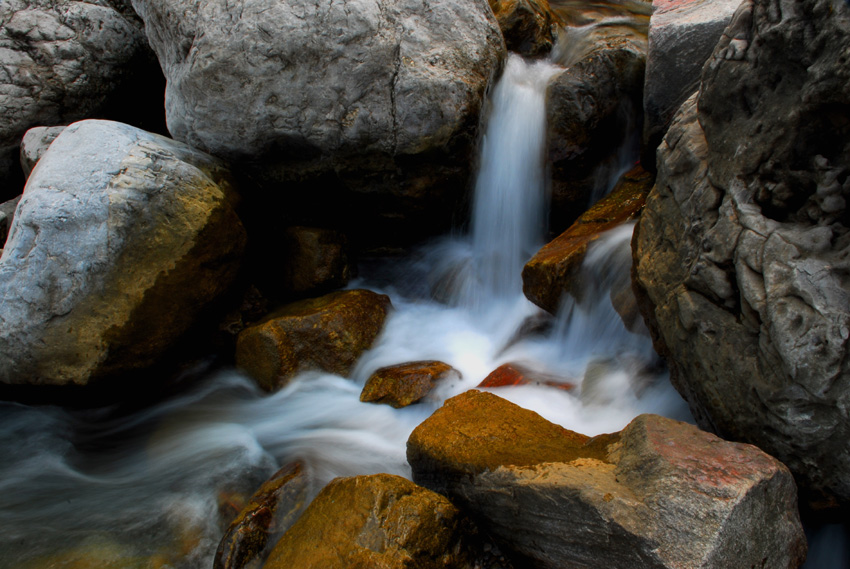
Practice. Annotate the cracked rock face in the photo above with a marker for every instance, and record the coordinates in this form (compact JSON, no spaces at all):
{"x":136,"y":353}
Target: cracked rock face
{"x":380,"y":97}
{"x":742,"y":254}
{"x":61,"y":61}
{"x":119,"y":241}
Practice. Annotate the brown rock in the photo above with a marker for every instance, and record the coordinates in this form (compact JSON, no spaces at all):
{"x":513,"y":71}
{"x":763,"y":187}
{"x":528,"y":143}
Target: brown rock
{"x":511,"y":374}
{"x":271,"y":510}
{"x":380,"y":521}
{"x":327,"y":333}
{"x":660,"y":494}
{"x":315,"y":259}
{"x":405,"y":384}
{"x":527,"y":25}
{"x":553,"y":269}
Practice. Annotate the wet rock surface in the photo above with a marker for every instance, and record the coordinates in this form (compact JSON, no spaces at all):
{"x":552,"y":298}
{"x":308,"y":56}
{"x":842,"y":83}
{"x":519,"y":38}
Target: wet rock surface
{"x":553,"y":270}
{"x":741,"y":253}
{"x":327,"y":333}
{"x":120,"y":241}
{"x":405,"y":384}
{"x":375,"y":521}
{"x":513,"y":374}
{"x":529,"y":26}
{"x":659,"y":494}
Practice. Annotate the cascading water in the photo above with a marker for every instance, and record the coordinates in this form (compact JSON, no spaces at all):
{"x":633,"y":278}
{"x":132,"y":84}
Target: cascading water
{"x":149,"y":487}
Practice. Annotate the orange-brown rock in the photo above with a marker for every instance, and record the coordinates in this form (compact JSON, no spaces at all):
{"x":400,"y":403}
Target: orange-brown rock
{"x":527,"y":25}
{"x":327,"y":333}
{"x":404,"y":384}
{"x":271,"y":511}
{"x":511,"y":374}
{"x":552,"y":271}
{"x":368,"y":522}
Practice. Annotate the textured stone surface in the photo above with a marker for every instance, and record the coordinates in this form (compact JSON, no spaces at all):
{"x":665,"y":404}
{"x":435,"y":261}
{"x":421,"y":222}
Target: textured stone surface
{"x":594,"y":107}
{"x":527,"y":25}
{"x":272,"y":509}
{"x":36,"y":141}
{"x":374,"y":521}
{"x":7,"y":215}
{"x":120,"y":240}
{"x":315,"y":260}
{"x":63,"y":60}
{"x":327,"y":333}
{"x":512,"y":374}
{"x":741,"y":255}
{"x":682,"y":36}
{"x":660,"y":494}
{"x":404,"y":384}
{"x":552,"y":271}
{"x":372,"y":105}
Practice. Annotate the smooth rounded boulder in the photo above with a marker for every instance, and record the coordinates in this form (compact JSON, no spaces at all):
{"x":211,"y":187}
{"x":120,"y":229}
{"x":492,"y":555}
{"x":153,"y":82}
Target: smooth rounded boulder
{"x":120,"y":240}
{"x":741,"y":254}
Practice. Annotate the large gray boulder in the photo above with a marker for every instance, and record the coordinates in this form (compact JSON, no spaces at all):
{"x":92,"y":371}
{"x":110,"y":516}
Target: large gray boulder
{"x":743,"y":250}
{"x":65,"y":60}
{"x":682,"y":36}
{"x":372,"y":104}
{"x":660,"y":494}
{"x":121,"y":238}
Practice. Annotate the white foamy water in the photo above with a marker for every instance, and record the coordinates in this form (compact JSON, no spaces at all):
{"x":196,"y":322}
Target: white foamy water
{"x":155,"y":484}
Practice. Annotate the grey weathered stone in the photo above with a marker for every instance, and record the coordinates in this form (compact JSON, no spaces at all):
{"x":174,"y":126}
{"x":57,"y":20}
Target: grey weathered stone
{"x":62,"y":60}
{"x":36,"y":141}
{"x":7,"y":214}
{"x":380,"y":100}
{"x":682,"y":36}
{"x":120,"y":239}
{"x":659,"y":494}
{"x":743,"y":250}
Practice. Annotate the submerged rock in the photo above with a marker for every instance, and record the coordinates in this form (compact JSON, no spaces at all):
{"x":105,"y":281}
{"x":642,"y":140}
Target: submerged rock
{"x":121,"y":238}
{"x":362,"y":105}
{"x":741,"y":255}
{"x":682,"y":36}
{"x":272,"y":509}
{"x":65,"y":60}
{"x":327,"y":333}
{"x":405,"y":384}
{"x":553,"y":270}
{"x":375,"y":521}
{"x":660,"y":494}
{"x":513,"y":374}
{"x":36,"y":141}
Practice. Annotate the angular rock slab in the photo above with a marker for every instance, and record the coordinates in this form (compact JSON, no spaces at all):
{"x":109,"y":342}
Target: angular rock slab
{"x":315,"y":259}
{"x":375,"y":521}
{"x":121,"y":238}
{"x":405,"y":384}
{"x":741,"y":255}
{"x":660,"y":494}
{"x":682,"y":36}
{"x":383,"y":97}
{"x":61,"y":61}
{"x":327,"y":333}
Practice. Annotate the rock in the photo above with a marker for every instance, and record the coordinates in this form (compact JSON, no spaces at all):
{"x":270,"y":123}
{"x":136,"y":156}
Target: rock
{"x":272,"y":509}
{"x":66,"y":60}
{"x":553,"y":270}
{"x":374,"y":521}
{"x":527,"y":25}
{"x":7,"y":215}
{"x":327,"y":333}
{"x":741,"y":255}
{"x":512,"y":374}
{"x":315,"y":260}
{"x":660,"y":494}
{"x":36,"y":141}
{"x":594,"y":108}
{"x":404,"y":384}
{"x":682,"y":35}
{"x":363,"y":106}
{"x":122,"y":237}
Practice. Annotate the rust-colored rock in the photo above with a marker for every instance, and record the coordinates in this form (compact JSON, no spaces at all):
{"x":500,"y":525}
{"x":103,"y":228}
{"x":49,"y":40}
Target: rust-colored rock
{"x":527,"y":25}
{"x":552,"y":271}
{"x":380,"y":521}
{"x":327,"y":333}
{"x":511,"y":374}
{"x":404,"y":384}
{"x":271,"y":511}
